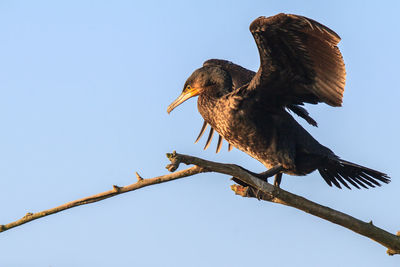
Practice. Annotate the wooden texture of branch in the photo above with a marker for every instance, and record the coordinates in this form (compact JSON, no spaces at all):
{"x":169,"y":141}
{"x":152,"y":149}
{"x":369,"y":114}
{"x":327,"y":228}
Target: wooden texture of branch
{"x":257,"y":188}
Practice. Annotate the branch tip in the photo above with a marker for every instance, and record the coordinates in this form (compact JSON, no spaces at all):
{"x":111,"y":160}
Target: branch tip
{"x":175,"y":161}
{"x":240,"y":190}
{"x":171,"y":155}
{"x":392,"y":252}
{"x":139,"y":178}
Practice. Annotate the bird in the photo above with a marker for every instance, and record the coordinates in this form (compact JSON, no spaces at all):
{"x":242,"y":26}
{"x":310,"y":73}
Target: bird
{"x":300,"y":63}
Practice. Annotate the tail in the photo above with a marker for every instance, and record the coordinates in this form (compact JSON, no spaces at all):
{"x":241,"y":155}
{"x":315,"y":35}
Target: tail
{"x":338,"y":171}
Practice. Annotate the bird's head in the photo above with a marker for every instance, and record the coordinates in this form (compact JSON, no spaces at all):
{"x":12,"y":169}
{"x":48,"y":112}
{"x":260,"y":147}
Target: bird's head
{"x":212,"y":80}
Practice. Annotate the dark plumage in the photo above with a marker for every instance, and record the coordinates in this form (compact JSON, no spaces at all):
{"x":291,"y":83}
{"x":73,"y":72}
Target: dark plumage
{"x":241,"y":76}
{"x":300,"y":63}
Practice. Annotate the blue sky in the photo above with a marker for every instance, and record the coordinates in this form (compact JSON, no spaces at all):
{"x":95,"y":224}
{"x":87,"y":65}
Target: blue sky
{"x":84,"y":87}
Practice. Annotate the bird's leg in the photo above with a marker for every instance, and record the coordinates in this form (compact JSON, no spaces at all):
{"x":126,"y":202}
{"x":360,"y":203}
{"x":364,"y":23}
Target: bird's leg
{"x":265,"y":175}
{"x":276,"y":170}
{"x":278,"y":179}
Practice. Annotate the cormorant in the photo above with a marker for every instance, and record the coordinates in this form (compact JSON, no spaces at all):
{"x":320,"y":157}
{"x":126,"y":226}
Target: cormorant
{"x":300,"y":63}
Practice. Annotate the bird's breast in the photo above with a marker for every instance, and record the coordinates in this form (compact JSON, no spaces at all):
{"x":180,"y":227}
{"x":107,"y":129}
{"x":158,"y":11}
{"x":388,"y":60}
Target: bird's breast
{"x":254,"y":136}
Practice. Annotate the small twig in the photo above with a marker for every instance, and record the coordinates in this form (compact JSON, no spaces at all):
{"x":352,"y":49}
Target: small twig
{"x":139,"y":178}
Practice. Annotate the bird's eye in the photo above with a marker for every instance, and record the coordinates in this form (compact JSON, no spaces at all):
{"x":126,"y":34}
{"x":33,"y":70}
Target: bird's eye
{"x":188,"y":87}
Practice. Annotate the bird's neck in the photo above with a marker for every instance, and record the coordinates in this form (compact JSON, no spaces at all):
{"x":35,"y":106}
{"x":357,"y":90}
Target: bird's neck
{"x":207,"y":104}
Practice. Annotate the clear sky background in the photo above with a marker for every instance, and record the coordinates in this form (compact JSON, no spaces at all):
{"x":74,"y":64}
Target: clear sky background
{"x":84,"y":87}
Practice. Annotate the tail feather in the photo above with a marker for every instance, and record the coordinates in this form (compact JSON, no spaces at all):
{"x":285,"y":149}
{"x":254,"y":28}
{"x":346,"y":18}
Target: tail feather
{"x":338,"y":171}
{"x":365,"y":181}
{"x":370,"y":179}
{"x":325,"y":175}
{"x":339,"y":176}
{"x":336,"y":178}
{"x":349,"y":175}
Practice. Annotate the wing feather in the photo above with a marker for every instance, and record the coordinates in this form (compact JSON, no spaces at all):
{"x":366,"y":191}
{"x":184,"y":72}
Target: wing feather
{"x":300,"y":57}
{"x":210,"y":136}
{"x":202,"y":130}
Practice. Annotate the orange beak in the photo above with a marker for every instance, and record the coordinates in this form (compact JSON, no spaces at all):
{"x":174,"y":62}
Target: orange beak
{"x":186,"y":94}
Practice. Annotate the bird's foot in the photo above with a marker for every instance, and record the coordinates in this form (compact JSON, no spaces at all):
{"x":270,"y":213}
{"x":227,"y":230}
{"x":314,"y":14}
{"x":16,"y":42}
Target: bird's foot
{"x":259,"y":194}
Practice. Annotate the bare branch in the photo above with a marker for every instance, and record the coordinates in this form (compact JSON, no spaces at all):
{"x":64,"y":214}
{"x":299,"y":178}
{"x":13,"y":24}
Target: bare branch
{"x":256,"y":188}
{"x":101,"y":196}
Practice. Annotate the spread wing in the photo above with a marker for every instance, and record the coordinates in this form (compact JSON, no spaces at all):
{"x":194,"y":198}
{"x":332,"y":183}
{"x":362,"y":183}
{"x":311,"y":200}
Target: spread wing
{"x":241,"y":76}
{"x":300,"y":61}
